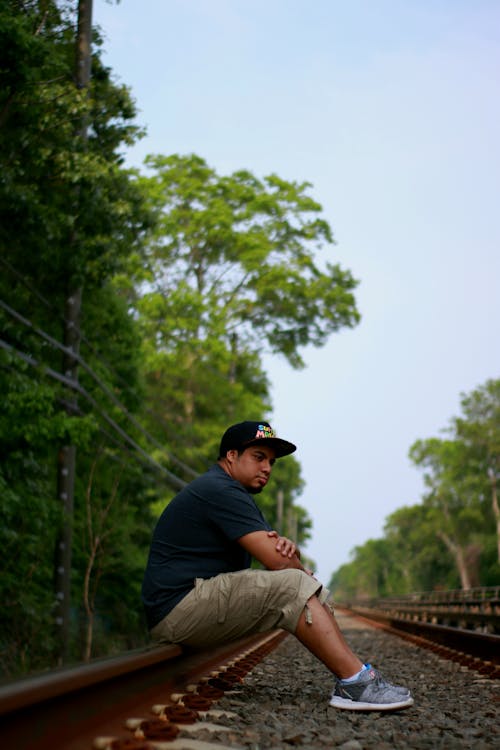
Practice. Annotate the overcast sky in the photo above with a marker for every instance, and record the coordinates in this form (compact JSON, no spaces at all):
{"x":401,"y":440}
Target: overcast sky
{"x":391,"y":109}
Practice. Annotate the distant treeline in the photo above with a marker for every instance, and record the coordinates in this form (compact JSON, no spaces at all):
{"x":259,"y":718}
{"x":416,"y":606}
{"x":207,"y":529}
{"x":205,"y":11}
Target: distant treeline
{"x":452,"y":538}
{"x":135,"y":307}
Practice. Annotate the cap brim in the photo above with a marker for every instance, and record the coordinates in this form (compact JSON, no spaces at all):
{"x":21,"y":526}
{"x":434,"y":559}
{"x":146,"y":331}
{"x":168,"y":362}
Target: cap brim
{"x":280,"y":447}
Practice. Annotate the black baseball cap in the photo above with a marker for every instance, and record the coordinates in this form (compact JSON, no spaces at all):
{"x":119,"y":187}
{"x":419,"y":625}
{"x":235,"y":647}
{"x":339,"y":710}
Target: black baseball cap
{"x":244,"y":434}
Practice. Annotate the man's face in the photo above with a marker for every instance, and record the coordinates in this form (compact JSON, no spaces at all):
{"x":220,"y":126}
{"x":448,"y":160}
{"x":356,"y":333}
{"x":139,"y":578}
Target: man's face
{"x":252,"y":467}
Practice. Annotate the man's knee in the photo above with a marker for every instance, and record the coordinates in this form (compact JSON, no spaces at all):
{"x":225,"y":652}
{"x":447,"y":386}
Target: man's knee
{"x":291,"y":578}
{"x":298,"y":588}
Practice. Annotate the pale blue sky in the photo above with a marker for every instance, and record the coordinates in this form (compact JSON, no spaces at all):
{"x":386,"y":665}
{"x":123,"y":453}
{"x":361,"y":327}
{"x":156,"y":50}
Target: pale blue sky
{"x":391,"y":109}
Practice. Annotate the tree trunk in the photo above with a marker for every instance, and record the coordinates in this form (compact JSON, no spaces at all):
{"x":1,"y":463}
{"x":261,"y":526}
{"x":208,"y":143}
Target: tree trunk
{"x":494,"y":502}
{"x":95,"y":539}
{"x":460,"y":559}
{"x":66,"y":462}
{"x":472,"y":555}
{"x":89,"y":608}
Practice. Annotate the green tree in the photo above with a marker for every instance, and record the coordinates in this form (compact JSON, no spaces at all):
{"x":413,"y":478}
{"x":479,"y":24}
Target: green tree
{"x":417,"y":559}
{"x":366,"y":575}
{"x":461,"y":474}
{"x":69,"y":216}
{"x":231,"y":272}
{"x":450,"y":538}
{"x":241,"y":250}
{"x":455,"y":506}
{"x":31,"y":425}
{"x":479,"y":430}
{"x":54,"y":185}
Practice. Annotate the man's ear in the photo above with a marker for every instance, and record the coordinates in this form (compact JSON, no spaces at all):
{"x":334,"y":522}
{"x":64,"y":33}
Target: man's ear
{"x":232,"y":455}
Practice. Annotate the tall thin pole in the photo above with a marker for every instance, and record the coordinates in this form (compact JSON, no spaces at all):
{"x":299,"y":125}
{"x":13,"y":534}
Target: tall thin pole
{"x":66,"y":463}
{"x":279,"y":511}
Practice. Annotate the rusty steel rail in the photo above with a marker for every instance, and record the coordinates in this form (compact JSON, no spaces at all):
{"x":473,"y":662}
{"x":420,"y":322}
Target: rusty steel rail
{"x":69,"y":708}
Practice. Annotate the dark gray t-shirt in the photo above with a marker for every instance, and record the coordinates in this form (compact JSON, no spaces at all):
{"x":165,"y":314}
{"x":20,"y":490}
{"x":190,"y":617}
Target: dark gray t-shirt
{"x":196,"y":537}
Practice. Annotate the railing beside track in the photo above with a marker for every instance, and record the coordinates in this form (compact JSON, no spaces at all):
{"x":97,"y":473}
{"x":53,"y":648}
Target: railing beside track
{"x":476,"y":609}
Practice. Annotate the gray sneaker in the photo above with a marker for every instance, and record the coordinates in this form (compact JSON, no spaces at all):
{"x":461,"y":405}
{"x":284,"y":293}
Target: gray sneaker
{"x":370,"y":692}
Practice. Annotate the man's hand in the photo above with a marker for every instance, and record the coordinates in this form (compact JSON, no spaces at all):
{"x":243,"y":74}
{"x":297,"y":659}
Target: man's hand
{"x":284,"y":546}
{"x":275,"y":552}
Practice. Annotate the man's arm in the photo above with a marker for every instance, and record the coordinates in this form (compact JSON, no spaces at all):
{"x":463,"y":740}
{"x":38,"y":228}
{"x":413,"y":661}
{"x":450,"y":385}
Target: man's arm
{"x":263,"y":546}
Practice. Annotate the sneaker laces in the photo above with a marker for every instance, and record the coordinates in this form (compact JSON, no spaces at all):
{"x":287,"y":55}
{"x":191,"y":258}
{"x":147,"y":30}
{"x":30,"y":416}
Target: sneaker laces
{"x":381,"y":682}
{"x":376,"y":679}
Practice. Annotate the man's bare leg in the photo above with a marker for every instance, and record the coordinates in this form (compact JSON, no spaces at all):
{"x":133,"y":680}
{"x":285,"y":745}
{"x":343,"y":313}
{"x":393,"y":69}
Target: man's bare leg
{"x":323,"y":638}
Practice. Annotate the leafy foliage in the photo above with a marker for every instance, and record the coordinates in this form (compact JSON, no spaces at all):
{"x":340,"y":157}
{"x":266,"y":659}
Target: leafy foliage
{"x":448,"y":540}
{"x":59,"y":187}
{"x":69,"y":214}
{"x":230,"y":272}
{"x":243,"y":250}
{"x":186,"y":278}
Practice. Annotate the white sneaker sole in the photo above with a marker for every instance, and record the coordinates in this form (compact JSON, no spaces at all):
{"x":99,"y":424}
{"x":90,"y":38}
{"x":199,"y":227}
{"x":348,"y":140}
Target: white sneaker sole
{"x":348,"y":705}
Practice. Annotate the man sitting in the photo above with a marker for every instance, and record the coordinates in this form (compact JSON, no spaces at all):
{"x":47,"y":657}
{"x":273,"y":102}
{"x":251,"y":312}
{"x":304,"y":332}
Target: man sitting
{"x":199,"y":589}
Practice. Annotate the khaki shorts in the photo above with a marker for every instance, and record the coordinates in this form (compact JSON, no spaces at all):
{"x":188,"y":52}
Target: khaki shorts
{"x":232,"y":605}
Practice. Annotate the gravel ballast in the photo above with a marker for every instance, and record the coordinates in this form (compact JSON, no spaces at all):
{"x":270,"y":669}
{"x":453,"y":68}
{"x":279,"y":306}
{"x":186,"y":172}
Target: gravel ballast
{"x":283,"y":701}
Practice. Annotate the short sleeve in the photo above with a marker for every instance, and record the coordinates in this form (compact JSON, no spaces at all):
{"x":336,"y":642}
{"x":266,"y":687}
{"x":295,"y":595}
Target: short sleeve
{"x":235,"y":512}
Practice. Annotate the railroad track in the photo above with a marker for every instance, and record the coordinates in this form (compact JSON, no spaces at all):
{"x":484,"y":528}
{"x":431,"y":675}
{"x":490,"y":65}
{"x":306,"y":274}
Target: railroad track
{"x":471,"y":648}
{"x":127,"y":702}
{"x":139,"y":700}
